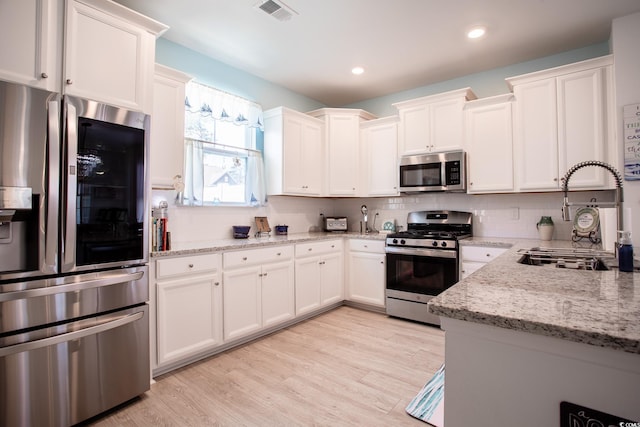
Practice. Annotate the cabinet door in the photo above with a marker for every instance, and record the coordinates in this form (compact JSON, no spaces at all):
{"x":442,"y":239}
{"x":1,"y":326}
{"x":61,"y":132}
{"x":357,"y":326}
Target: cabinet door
{"x":366,"y":281}
{"x":31,"y":31}
{"x":535,"y":136}
{"x":167,"y":127}
{"x":302,"y":164}
{"x":489,"y":144}
{"x":106,"y":58}
{"x":380,"y":166}
{"x":446,"y":124}
{"x":332,"y":277}
{"x":307,"y":285}
{"x":343,"y":155}
{"x":581,"y":126}
{"x":413,"y":131}
{"x":277,"y":293}
{"x":189,"y":316}
{"x":242,"y":302}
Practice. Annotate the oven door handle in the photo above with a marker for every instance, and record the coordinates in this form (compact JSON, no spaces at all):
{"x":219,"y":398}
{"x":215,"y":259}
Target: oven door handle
{"x":70,"y":287}
{"x":92,"y":330}
{"x":433,"y":253}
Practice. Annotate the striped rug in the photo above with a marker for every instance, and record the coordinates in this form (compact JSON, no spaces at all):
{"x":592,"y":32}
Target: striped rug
{"x":428,"y":405}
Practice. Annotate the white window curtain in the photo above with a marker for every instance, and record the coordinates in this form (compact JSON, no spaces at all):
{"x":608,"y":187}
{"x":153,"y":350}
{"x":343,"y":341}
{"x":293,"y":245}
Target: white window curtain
{"x":204,"y":106}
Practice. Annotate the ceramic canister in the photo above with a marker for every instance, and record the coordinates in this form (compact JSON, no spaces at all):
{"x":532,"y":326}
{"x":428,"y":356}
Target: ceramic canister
{"x":545,"y":228}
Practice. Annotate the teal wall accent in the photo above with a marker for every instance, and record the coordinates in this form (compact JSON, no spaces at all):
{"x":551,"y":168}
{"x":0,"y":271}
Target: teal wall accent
{"x":269,"y":95}
{"x":484,"y":84}
{"x":229,"y":79}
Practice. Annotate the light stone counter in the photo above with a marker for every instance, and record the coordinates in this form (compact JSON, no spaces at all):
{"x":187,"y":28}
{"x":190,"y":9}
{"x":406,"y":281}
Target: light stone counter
{"x":600,"y":308}
{"x":221,"y":245}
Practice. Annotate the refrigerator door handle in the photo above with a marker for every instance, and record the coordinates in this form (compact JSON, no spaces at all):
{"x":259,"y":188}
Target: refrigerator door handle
{"x":92,"y":330}
{"x":71,"y":287}
{"x":53,"y":190}
{"x":71,"y":182}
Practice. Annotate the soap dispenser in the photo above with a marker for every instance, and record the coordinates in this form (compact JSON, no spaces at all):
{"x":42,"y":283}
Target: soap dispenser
{"x":625,"y":252}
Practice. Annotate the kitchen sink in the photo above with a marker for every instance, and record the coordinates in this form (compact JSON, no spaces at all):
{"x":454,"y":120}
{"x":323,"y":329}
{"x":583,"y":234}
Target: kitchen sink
{"x":571,"y":258}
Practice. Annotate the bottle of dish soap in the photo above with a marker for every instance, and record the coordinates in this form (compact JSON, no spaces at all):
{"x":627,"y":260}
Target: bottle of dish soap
{"x":625,"y":252}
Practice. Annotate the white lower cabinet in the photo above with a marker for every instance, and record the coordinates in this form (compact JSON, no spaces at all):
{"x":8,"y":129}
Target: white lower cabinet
{"x":258,"y":289}
{"x":473,"y":258}
{"x":366,"y":272}
{"x":319,"y":275}
{"x":188,"y":305}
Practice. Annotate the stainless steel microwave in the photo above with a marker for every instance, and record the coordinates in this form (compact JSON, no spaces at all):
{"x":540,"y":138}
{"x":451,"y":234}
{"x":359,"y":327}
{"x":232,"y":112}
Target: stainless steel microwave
{"x":444,"y":171}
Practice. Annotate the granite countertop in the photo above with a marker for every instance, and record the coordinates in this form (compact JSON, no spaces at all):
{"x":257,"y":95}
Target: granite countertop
{"x":221,"y":245}
{"x":600,"y":308}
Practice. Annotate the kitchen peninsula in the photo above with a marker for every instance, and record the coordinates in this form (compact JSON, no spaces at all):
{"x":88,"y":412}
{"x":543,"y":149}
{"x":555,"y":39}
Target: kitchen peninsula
{"x":520,"y":339}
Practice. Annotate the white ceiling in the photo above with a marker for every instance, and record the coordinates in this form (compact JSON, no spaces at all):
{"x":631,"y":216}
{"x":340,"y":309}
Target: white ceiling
{"x":402,"y":44}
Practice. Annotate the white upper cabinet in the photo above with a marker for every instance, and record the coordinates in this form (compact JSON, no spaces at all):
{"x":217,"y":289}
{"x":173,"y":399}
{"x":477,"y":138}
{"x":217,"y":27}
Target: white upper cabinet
{"x":379,"y":157}
{"x":563,"y":116}
{"x":167,"y":126}
{"x":432,"y":123}
{"x":293,"y":150}
{"x":489,"y":144}
{"x":32,"y":45}
{"x":342,"y":148}
{"x":109,"y":54}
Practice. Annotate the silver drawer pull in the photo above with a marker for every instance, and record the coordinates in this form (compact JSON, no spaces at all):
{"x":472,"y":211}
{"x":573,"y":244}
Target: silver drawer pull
{"x":190,"y":265}
{"x":244,"y":258}
{"x":279,"y":253}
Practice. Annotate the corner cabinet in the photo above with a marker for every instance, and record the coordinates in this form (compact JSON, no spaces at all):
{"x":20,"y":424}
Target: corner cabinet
{"x":564,"y":116}
{"x":258,"y":289}
{"x":432,"y":123}
{"x":31,"y":31}
{"x":188,"y":304}
{"x":489,"y":144}
{"x":379,"y":157}
{"x":319,"y":275}
{"x":342,"y":149}
{"x":109,"y":54}
{"x":293,"y":152}
{"x":167,"y":126}
{"x":366,"y":272}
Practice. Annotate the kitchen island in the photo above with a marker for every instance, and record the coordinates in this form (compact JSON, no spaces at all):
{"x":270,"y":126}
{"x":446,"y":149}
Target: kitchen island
{"x":520,"y":339}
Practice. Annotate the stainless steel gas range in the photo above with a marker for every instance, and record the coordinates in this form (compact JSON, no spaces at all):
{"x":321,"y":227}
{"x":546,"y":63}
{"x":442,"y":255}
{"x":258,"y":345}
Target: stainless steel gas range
{"x":423,"y":261}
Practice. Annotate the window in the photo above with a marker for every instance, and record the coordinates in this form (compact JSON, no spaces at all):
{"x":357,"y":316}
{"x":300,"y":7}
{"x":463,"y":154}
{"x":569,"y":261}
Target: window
{"x":222,"y":166}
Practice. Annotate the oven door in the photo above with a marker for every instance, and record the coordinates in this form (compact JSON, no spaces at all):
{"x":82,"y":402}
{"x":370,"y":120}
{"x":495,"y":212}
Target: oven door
{"x":414,"y":276}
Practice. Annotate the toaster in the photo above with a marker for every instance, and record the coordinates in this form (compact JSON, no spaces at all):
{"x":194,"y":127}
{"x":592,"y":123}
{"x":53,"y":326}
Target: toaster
{"x":335,"y":223}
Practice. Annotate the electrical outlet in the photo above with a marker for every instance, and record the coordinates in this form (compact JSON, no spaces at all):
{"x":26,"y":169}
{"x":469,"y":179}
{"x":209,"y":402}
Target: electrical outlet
{"x":515,"y":214}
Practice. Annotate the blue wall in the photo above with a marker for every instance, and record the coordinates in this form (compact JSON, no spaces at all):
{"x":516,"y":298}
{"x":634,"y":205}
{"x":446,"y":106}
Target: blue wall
{"x":269,"y":95}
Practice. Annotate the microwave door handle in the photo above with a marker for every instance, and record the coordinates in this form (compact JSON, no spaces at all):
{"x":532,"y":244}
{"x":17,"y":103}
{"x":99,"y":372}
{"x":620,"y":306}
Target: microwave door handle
{"x":71,"y":180}
{"x":53,"y":189}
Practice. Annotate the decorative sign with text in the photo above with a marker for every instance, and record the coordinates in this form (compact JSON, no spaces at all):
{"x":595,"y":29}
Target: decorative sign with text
{"x":631,"y":124}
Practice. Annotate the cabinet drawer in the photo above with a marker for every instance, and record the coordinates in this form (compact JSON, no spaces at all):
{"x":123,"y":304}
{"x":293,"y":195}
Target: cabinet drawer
{"x":373,"y":246}
{"x":480,"y":253}
{"x":195,"y":264}
{"x":257,"y":256}
{"x":316,"y":248}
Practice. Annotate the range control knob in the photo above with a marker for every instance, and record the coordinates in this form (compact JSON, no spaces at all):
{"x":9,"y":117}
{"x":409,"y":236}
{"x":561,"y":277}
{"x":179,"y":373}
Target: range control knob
{"x":395,"y":241}
{"x":443,"y":244}
{"x":402,"y":242}
{"x":434,"y":243}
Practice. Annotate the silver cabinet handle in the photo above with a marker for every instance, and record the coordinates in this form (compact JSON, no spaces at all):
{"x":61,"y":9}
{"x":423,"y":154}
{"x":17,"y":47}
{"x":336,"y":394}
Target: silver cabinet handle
{"x":216,"y":283}
{"x":279,"y":253}
{"x":310,"y":249}
{"x":44,"y":75}
{"x":69,"y":81}
{"x":190,"y":265}
{"x":244,"y":258}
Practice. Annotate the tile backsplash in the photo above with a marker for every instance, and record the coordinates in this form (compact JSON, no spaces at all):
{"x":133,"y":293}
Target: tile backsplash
{"x":494,"y":215}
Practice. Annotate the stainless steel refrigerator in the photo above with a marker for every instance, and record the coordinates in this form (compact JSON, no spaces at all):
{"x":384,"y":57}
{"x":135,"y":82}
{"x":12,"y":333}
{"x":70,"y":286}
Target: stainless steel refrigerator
{"x":74,"y":321}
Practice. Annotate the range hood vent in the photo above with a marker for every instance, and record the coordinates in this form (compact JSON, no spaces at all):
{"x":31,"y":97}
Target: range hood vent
{"x":277,"y":9}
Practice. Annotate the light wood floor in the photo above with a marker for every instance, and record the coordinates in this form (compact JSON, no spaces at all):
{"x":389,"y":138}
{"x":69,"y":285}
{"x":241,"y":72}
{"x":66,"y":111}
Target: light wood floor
{"x":347,"y":367}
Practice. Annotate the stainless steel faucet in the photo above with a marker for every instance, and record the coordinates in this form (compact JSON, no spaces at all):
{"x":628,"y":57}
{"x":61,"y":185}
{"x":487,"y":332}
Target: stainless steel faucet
{"x":619,"y":195}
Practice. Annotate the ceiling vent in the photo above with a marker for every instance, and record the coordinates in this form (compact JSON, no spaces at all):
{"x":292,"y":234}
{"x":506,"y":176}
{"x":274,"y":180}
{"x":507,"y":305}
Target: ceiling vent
{"x":277,"y":9}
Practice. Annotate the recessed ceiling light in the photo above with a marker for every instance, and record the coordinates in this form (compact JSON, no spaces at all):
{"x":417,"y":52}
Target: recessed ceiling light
{"x":357,"y":70}
{"x":476,"y":32}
